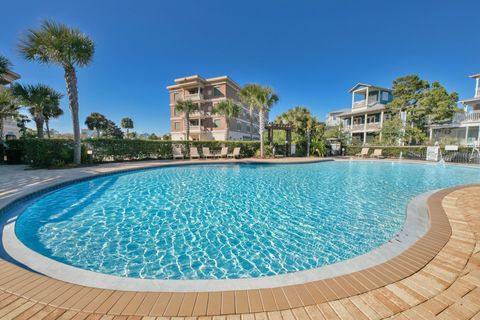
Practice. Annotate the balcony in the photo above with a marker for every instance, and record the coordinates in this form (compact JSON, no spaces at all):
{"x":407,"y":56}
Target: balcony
{"x":473,"y":116}
{"x":372,"y":126}
{"x":193,"y":96}
{"x":361,"y":103}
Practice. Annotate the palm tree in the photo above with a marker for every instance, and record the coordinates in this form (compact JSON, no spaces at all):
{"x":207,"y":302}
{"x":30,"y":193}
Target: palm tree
{"x":264,"y":99}
{"x":37,"y":98}
{"x":186,"y":107}
{"x":229,"y":109}
{"x":247,"y":95}
{"x":69,"y":48}
{"x":52,"y":111}
{"x":5,"y":65}
{"x":127,"y":123}
{"x":8,"y":108}
{"x":303,"y":122}
{"x":96,"y":121}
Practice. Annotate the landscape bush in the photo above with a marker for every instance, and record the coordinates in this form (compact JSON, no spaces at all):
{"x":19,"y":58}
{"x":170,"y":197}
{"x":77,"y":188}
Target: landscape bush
{"x":45,"y":153}
{"x":59,"y":152}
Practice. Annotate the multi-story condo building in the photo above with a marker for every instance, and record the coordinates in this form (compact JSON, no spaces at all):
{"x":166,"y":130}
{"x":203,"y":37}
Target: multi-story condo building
{"x":364,"y":120}
{"x":464,"y":128}
{"x":10,"y":128}
{"x":204,"y":124}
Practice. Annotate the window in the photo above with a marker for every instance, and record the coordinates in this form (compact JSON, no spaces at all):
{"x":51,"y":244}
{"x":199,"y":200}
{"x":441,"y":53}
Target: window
{"x":194,"y":122}
{"x":177,"y":125}
{"x":217,"y":92}
{"x":217,"y":123}
{"x":385,"y":96}
{"x":176,"y":96}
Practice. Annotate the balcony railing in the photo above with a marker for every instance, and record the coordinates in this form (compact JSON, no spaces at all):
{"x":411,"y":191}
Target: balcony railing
{"x":473,"y":116}
{"x":193,"y":96}
{"x":361,"y":127}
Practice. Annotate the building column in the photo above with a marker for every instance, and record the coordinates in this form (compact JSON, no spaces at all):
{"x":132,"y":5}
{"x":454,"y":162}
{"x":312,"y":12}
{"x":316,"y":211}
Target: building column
{"x":430,"y":135}
{"x":466,"y":135}
{"x":365,"y":129}
{"x":381,"y":125}
{"x":366,"y":98}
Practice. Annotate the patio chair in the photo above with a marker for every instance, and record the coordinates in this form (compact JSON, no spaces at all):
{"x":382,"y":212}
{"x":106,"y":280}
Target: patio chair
{"x":177,"y":153}
{"x":235,"y":154}
{"x":363,"y":153}
{"x":194,"y":153}
{"x":377,"y":153}
{"x":223,"y":152}
{"x":206,"y":153}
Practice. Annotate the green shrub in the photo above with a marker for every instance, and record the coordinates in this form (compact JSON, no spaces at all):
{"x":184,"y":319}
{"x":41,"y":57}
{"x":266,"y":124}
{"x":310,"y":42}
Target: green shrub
{"x":127,"y":150}
{"x":45,"y":153}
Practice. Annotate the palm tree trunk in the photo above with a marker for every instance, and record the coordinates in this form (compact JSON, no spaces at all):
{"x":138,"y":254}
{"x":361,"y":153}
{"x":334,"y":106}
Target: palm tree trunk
{"x":251,"y":123}
{"x":48,"y":128}
{"x":1,"y":132}
{"x":39,"y":125}
{"x":227,"y":128}
{"x":71,"y":81}
{"x":261,"y":128}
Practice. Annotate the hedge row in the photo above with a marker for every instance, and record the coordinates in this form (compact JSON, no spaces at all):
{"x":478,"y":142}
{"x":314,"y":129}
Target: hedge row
{"x":59,"y":152}
{"x":126,"y":149}
{"x":45,"y":152}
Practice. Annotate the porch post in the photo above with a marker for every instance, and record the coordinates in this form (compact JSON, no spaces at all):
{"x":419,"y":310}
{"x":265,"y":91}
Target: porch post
{"x":466,"y":135}
{"x":365,"y":129}
{"x":430,"y":135}
{"x":381,"y":125}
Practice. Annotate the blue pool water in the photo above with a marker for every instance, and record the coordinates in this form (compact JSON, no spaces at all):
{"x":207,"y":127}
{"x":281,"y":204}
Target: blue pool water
{"x":228,"y":221}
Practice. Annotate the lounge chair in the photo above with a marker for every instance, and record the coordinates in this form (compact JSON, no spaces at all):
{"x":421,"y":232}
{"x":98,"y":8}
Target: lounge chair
{"x":194,"y":153}
{"x":223,"y":152}
{"x":377,"y":153}
{"x":235,"y":154}
{"x":363,"y":153}
{"x":177,"y":153}
{"x":206,"y":153}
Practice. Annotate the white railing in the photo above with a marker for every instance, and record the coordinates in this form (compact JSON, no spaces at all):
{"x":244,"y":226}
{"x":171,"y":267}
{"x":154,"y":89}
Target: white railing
{"x":193,"y":96}
{"x":358,"y":127}
{"x":374,"y":126}
{"x":473,"y":116}
{"x":359,"y":104}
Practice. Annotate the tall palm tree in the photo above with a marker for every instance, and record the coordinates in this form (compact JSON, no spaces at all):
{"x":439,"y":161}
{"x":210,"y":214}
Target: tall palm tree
{"x":69,"y":48}
{"x":127,"y":123}
{"x":247,"y":95}
{"x":8,"y":108}
{"x":37,"y":98}
{"x":229,"y":109}
{"x":186,"y":107}
{"x":96,"y":121}
{"x":264,"y":99}
{"x":52,"y":111}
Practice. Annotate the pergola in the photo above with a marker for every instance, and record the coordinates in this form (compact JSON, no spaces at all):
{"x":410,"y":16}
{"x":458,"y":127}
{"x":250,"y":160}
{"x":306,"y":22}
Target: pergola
{"x":288,"y":133}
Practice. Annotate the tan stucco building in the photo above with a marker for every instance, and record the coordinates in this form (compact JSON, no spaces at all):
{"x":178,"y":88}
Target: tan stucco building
{"x":204,"y":125}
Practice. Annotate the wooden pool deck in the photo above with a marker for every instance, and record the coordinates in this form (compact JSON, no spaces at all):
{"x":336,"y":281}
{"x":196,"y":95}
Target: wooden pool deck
{"x":439,"y":278}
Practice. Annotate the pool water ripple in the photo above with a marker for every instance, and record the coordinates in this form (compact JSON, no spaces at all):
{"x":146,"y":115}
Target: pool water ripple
{"x":228,"y":221}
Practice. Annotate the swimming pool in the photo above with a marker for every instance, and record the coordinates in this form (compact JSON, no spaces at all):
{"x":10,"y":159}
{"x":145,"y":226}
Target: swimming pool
{"x":228,"y":221}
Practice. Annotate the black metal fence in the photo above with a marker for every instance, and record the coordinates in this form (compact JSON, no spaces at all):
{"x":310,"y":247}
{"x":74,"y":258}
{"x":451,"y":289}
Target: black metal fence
{"x":471,"y":156}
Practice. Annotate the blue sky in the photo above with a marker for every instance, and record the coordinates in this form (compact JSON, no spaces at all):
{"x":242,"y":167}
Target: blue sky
{"x":310,"y":52}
